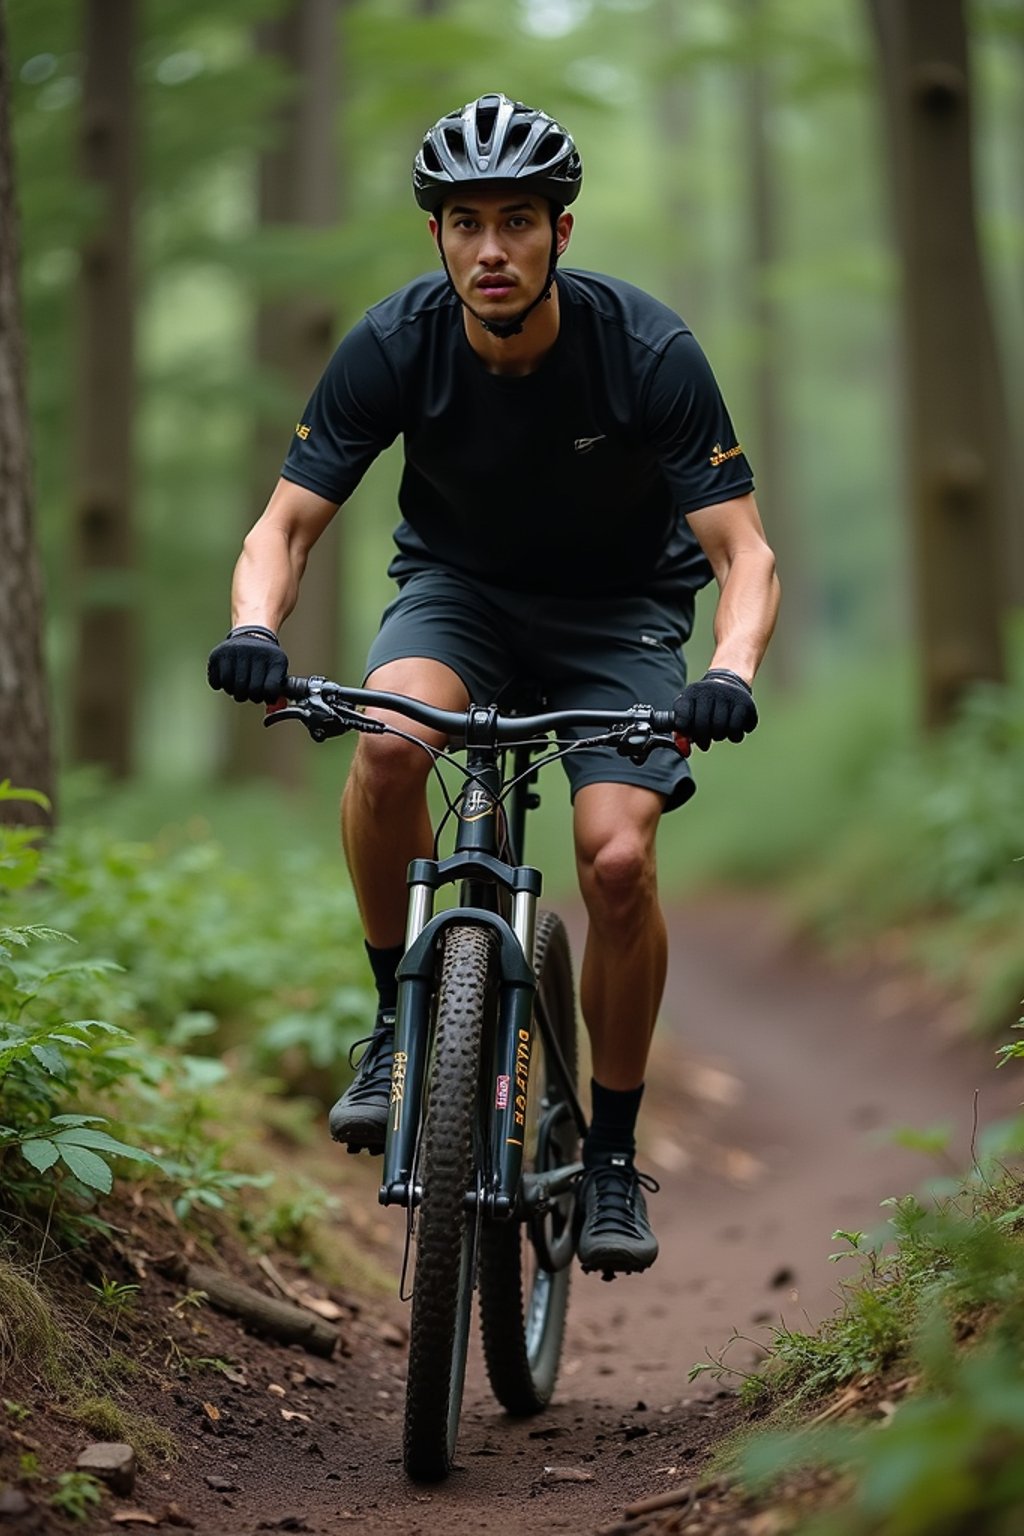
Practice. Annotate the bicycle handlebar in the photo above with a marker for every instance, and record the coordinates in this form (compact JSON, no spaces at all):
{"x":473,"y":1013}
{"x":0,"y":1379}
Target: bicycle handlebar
{"x":484,"y":722}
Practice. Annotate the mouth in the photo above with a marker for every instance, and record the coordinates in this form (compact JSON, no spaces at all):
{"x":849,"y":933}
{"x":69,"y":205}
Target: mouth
{"x":495,"y":287}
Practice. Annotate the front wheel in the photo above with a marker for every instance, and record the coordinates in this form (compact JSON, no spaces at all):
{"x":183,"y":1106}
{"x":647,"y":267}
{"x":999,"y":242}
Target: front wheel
{"x":522,"y":1302}
{"x":446,"y":1228}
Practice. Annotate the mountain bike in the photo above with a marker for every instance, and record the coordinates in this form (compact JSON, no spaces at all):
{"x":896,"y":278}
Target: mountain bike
{"x":484,"y":1122}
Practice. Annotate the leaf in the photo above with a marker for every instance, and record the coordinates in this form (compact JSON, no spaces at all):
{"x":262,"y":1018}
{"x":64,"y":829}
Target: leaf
{"x":88,"y":1168}
{"x":78,"y":1120}
{"x":40,"y":1152}
{"x":8,"y":791}
{"x":50,"y":1060}
{"x":81,"y":1136}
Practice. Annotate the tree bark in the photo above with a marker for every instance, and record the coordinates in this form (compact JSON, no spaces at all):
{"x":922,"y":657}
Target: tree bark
{"x":104,"y":672}
{"x":26,"y":750}
{"x":770,"y":458}
{"x":957,"y":440}
{"x":299,"y":184}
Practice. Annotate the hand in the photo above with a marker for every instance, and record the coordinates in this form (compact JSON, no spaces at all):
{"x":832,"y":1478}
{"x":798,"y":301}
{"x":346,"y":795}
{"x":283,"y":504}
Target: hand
{"x":249,"y":664}
{"x":718,"y":707}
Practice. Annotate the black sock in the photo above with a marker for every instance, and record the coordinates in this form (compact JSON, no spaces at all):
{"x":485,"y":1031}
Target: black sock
{"x":384,"y":964}
{"x":612,"y":1129}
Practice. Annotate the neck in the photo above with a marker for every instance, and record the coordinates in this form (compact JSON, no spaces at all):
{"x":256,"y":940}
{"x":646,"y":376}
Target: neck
{"x":516,"y":354}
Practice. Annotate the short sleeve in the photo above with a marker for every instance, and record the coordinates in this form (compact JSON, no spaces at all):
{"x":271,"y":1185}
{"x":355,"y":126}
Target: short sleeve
{"x":352,"y":416}
{"x":689,"y":428}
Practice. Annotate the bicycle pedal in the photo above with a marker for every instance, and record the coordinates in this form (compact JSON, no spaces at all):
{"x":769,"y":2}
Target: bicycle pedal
{"x":606,"y":1274}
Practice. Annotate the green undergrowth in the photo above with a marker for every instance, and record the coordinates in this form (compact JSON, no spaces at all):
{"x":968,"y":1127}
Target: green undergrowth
{"x":911,"y":1396}
{"x":46,"y":1341}
{"x":151,"y":994}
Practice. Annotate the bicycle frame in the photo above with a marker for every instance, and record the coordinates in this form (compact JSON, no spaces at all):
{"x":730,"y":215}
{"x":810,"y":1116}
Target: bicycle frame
{"x":489,"y":882}
{"x":484,"y":876}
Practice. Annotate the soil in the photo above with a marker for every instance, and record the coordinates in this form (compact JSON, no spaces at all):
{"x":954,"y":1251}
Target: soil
{"x":776,"y":1083}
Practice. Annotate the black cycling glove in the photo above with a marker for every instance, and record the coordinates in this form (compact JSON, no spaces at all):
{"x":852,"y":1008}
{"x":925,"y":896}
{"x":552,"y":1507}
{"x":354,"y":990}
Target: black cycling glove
{"x":249,"y":664}
{"x":718,"y":707}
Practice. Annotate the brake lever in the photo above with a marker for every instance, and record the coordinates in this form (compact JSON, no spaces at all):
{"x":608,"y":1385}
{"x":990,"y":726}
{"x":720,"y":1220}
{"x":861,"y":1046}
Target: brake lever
{"x":322,"y":720}
{"x":641,"y":740}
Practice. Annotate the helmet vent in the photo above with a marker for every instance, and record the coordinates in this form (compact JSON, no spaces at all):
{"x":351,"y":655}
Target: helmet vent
{"x":485,"y":119}
{"x":549,"y":148}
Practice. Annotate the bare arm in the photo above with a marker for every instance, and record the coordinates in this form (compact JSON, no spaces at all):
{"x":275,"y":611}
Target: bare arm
{"x":265,"y":586}
{"x":731,"y":535}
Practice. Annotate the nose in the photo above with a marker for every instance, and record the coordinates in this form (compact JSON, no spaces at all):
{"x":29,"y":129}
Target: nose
{"x":492,"y":251}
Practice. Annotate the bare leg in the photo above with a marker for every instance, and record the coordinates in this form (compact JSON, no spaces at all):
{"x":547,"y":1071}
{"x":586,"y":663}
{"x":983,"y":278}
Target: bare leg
{"x":625,"y":957}
{"x":384,"y":818}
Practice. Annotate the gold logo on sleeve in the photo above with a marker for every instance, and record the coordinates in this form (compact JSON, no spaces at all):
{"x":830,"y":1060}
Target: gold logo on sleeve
{"x":720,"y":454}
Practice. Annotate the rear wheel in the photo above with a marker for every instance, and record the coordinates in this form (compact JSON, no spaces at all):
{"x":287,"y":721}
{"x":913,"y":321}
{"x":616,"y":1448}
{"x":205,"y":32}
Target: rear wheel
{"x":522,"y":1302}
{"x":446,"y":1229}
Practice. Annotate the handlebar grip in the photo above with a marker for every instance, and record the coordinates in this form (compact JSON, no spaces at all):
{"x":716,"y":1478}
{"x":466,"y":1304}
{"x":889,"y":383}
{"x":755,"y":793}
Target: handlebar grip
{"x":296,"y":688}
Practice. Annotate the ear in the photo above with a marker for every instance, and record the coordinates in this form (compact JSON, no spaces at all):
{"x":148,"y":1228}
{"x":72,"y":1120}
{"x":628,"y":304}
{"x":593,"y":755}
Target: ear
{"x":563,"y":229}
{"x":434,"y":227}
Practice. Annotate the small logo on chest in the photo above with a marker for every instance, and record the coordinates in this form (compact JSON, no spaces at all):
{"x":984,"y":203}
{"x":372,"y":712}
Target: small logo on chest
{"x":584,"y":444}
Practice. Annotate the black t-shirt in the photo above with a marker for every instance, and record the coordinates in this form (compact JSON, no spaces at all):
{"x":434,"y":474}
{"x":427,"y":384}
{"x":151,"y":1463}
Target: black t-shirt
{"x":572,"y":479}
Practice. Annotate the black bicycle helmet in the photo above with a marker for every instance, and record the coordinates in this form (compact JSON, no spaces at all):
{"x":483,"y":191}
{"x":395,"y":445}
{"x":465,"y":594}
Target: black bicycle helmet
{"x":494,"y":139}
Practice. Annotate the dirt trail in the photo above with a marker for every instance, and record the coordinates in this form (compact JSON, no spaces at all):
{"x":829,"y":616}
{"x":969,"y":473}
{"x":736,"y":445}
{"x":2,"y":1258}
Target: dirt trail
{"x":773,"y":1078}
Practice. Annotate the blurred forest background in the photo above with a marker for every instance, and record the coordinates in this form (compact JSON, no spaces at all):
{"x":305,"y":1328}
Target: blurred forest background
{"x":208,"y":194}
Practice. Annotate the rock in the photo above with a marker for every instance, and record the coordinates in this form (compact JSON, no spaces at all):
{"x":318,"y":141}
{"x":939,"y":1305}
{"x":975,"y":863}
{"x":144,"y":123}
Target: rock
{"x":13,"y":1504}
{"x":113,"y":1462}
{"x":567,"y":1475}
{"x":221,"y":1484}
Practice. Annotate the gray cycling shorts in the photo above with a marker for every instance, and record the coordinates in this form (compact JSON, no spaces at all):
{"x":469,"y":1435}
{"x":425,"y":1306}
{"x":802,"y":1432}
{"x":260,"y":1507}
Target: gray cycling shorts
{"x":606,"y":652}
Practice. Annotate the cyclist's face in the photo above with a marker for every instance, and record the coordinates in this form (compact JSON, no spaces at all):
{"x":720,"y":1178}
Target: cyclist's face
{"x":498,"y":247}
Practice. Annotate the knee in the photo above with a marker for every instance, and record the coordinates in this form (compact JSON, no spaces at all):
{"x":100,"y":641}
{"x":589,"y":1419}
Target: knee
{"x":617,"y":874}
{"x":386,"y":770}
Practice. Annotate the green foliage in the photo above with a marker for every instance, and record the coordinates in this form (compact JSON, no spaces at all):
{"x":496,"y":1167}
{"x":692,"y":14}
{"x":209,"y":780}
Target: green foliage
{"x":940,"y":1297}
{"x":203,"y":951}
{"x":76,"y":1495}
{"x":115,"y":1295}
{"x":934,"y":846}
{"x":296,"y":1219}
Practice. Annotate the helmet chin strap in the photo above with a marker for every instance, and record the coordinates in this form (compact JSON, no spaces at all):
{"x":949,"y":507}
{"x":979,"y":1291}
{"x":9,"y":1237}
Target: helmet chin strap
{"x":504,"y":329}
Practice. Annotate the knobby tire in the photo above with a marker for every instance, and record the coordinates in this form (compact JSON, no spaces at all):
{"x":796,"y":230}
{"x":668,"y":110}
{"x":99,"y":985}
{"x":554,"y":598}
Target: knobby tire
{"x":446,"y":1230}
{"x":522,"y":1307}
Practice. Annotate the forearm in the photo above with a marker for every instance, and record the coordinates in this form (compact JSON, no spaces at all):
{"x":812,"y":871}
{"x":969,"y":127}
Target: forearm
{"x":748,"y":604}
{"x":265,"y":587}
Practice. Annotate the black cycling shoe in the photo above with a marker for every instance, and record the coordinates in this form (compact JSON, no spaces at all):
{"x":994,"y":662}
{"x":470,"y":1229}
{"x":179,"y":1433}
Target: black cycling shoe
{"x":615,"y":1236}
{"x":360,"y":1117}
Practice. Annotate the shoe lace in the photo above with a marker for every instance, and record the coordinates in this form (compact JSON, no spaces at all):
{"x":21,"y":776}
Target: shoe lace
{"x":373,"y":1074}
{"x":615,"y":1186}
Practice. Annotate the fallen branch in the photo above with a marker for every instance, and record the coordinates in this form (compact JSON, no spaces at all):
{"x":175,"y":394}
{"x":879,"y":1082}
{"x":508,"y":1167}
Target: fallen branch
{"x":263,"y":1314}
{"x":686,"y":1495}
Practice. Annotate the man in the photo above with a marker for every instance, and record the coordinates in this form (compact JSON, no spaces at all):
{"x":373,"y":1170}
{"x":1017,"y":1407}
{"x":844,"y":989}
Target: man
{"x":571,"y":479}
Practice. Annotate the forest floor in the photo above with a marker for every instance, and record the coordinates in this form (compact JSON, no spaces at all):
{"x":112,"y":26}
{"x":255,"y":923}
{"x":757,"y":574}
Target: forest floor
{"x":777,"y":1081}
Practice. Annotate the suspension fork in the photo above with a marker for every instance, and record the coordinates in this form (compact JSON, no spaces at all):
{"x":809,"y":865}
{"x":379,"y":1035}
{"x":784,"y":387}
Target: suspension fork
{"x":506,"y":1055}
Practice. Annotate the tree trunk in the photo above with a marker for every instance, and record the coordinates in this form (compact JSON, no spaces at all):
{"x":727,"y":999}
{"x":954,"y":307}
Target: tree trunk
{"x":957,"y":440}
{"x":26,"y":752}
{"x":299,"y":184}
{"x":769,"y":457}
{"x":104,"y":675}
{"x":675,"y":105}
